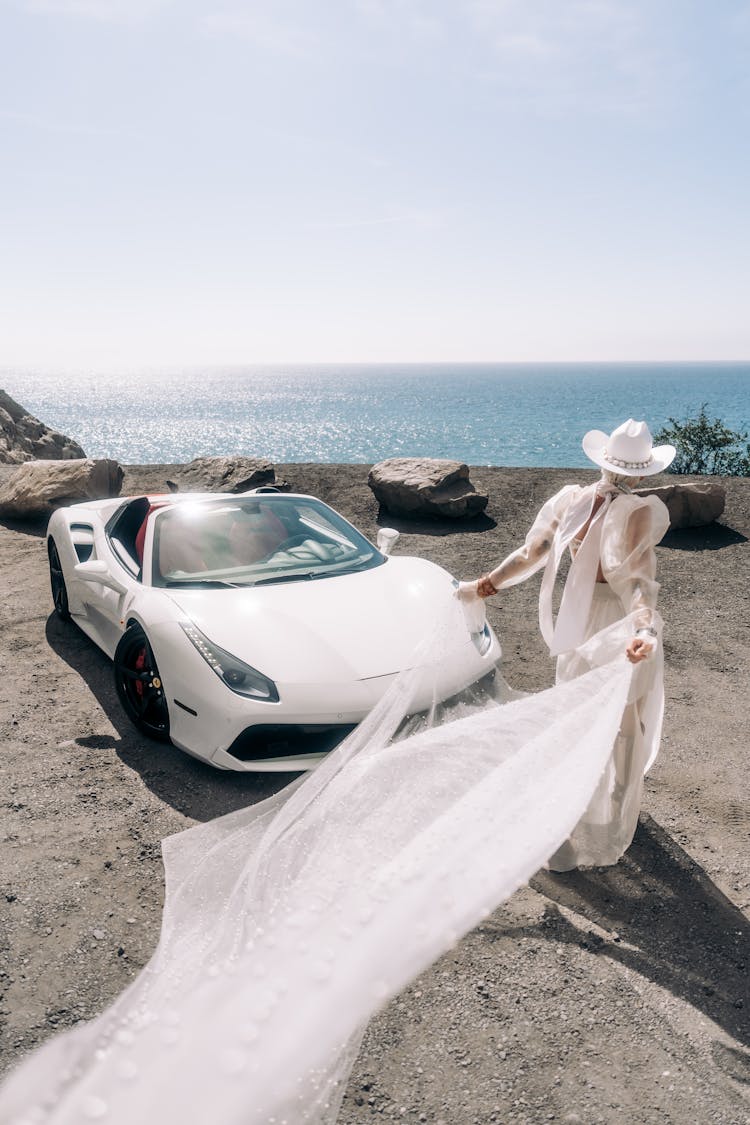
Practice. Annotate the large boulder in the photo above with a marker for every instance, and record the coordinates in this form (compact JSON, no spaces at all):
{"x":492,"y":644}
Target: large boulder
{"x":36,"y":488}
{"x":423,"y":486}
{"x":23,"y":437}
{"x":225,"y":474}
{"x":690,"y":504}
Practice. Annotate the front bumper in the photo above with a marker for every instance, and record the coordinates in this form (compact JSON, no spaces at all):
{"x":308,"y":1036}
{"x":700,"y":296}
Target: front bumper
{"x":214,"y":724}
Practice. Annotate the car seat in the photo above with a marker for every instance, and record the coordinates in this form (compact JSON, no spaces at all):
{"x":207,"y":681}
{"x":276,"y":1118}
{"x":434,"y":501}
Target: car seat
{"x":253,"y":536}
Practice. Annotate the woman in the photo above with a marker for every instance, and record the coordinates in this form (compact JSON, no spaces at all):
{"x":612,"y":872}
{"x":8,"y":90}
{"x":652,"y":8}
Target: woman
{"x":609,"y":599}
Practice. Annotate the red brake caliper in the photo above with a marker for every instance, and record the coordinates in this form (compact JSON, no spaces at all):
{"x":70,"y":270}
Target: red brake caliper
{"x":139,"y":664}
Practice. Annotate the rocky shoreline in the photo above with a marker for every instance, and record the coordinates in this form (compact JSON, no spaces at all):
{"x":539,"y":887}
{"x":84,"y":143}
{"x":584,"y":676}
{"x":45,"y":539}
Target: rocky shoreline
{"x":614,"y":995}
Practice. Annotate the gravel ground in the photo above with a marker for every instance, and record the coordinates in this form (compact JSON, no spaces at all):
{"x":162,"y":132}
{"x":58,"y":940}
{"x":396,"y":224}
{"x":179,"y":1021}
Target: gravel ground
{"x":615,"y":995}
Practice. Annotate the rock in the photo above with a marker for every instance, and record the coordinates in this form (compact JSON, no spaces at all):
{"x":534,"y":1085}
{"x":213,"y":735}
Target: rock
{"x":415,"y":486}
{"x":225,"y":474}
{"x":36,"y":488}
{"x":690,"y":504}
{"x":23,"y":437}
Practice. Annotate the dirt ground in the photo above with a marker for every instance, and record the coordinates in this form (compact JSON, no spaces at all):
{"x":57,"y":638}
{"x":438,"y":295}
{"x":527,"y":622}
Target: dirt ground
{"x":615,"y":995}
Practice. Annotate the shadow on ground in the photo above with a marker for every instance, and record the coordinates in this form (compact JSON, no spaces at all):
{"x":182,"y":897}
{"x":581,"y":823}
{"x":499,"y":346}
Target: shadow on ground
{"x":37,"y":528}
{"x":440,"y":526}
{"x":192,"y":787}
{"x":663,"y":918}
{"x":710,"y":538}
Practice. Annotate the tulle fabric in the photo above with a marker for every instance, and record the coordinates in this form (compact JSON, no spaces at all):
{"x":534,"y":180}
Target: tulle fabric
{"x":287,"y":924}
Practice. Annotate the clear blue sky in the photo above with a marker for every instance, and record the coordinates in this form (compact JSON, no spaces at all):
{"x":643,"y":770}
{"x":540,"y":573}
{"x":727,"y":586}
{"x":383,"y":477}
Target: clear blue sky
{"x":373,"y":180}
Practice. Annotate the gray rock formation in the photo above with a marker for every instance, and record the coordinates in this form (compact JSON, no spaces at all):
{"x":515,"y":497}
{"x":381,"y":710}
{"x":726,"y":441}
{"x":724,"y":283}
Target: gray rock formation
{"x":225,"y":474}
{"x":690,"y":503}
{"x":36,"y":488}
{"x":423,"y":486}
{"x":23,"y":437}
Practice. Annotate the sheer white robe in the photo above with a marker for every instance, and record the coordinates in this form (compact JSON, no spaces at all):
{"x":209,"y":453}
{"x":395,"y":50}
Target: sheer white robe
{"x":609,"y":595}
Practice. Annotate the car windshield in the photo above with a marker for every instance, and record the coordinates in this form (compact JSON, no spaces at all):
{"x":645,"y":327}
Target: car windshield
{"x":254,"y":540}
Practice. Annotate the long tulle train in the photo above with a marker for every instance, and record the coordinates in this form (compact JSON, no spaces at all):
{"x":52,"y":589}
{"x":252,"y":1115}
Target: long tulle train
{"x":287,"y":924}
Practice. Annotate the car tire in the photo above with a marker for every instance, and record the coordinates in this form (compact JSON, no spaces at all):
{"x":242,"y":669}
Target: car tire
{"x":139,"y":685}
{"x":57,"y":583}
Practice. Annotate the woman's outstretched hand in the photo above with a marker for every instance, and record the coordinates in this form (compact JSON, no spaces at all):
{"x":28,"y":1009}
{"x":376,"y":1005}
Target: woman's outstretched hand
{"x":485,"y":589}
{"x":638,"y":650}
{"x":479,"y":588}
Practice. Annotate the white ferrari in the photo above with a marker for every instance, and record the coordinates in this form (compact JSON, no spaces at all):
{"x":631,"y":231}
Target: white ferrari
{"x":254,"y":631}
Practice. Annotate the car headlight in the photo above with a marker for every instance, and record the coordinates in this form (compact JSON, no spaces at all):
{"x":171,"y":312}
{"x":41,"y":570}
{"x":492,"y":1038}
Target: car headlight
{"x":482,"y":640}
{"x":239,"y":677}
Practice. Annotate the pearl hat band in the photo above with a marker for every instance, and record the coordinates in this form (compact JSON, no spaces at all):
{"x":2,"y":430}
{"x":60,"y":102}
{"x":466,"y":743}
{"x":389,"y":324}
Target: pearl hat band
{"x":628,"y":464}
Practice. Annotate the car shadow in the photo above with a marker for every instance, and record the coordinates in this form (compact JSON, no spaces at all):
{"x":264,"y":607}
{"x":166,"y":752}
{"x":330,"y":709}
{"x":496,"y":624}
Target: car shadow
{"x":660,"y":915}
{"x":35,"y":527}
{"x":711,"y":537}
{"x":190,"y":786}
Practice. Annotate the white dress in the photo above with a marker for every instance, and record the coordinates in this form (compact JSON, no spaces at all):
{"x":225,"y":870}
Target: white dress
{"x":609,"y":595}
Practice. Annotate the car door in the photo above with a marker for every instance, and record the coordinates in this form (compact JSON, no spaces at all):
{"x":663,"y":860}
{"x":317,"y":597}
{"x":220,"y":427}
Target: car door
{"x":105,"y":602}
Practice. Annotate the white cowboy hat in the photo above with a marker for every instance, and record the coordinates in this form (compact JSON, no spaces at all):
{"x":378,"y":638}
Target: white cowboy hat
{"x":629,"y":450}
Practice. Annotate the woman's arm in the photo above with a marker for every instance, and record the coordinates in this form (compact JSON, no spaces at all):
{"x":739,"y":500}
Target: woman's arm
{"x":521,"y":563}
{"x":532,"y":555}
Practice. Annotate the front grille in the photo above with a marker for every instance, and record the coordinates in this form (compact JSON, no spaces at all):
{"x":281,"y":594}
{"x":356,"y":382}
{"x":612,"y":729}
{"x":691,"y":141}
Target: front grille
{"x":286,"y":741}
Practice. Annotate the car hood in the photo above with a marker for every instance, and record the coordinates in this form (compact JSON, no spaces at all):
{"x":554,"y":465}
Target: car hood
{"x":355,"y":626}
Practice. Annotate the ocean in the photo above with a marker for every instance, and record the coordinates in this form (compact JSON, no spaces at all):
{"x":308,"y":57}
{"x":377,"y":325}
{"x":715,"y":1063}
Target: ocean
{"x":484,"y":414}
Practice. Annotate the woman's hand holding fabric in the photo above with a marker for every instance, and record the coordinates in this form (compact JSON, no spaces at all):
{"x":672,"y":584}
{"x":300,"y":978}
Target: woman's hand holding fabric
{"x":485,"y":587}
{"x":472,"y":591}
{"x":638,"y":649}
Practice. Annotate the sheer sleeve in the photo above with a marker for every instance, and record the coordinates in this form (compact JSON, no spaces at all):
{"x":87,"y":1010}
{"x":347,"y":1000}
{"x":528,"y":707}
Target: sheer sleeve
{"x":532,"y":556}
{"x":633,"y":527}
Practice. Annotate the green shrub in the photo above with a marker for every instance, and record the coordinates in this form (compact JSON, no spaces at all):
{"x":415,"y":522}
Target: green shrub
{"x":706,"y":445}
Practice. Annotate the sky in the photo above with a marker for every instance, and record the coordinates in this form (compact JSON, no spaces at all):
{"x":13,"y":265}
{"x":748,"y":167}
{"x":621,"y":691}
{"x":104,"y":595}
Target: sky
{"x":373,"y":181}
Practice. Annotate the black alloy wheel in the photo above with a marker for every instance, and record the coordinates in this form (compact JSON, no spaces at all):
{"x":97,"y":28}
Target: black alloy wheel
{"x":57,"y":583}
{"x":139,"y":684}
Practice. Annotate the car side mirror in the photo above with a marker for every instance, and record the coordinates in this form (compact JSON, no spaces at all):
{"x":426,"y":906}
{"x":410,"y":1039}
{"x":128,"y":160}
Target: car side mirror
{"x":386,"y":539}
{"x":97,"y":571}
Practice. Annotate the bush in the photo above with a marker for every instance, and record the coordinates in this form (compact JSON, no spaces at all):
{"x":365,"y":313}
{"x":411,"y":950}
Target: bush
{"x":705,"y":445}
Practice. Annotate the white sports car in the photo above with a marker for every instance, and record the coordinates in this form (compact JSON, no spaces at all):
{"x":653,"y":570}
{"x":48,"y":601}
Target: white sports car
{"x":254,"y":631}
